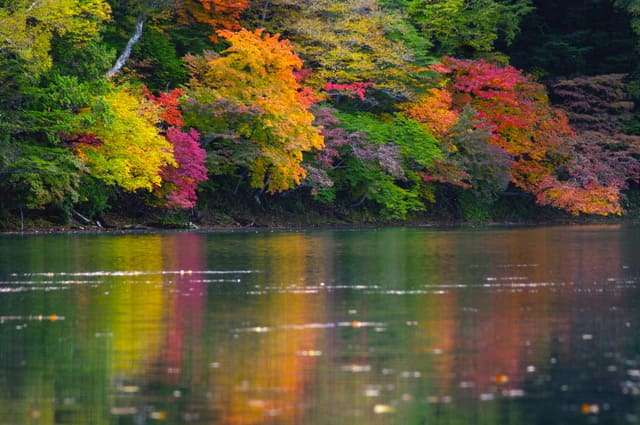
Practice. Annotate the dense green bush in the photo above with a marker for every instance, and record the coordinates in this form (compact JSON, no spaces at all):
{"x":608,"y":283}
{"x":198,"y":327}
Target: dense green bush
{"x":419,"y":148}
{"x":38,"y":177}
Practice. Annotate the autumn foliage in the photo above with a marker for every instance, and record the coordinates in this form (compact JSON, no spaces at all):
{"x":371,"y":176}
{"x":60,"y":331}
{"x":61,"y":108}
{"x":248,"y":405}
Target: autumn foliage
{"x":516,"y":113}
{"x":169,"y":104}
{"x":131,"y":152}
{"x":219,"y":14}
{"x":514,"y":109}
{"x":257,"y":73}
{"x":190,"y":170}
{"x":348,"y":106}
{"x":435,"y":110}
{"x":358,"y":90}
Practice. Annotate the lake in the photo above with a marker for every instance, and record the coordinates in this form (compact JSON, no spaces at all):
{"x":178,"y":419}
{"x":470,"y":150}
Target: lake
{"x":354,"y":327}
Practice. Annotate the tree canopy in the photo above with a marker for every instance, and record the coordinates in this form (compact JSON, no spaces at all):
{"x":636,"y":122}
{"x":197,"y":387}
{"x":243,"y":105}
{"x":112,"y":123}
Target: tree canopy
{"x":358,"y":109}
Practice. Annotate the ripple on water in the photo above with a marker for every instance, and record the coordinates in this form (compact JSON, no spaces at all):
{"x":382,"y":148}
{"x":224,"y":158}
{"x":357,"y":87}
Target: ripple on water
{"x":134,"y":273}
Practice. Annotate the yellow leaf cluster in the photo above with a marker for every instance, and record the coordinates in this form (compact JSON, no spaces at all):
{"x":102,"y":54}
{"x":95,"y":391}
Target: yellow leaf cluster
{"x":133,"y":153}
{"x":347,"y":42}
{"x":28,"y":26}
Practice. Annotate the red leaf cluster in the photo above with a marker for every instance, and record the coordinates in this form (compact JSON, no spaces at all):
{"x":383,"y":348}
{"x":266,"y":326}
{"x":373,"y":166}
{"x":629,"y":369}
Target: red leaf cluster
{"x":358,"y":90}
{"x":513,"y":108}
{"x":191,"y":169}
{"x":79,"y":141}
{"x":516,"y":112}
{"x":169,"y":103}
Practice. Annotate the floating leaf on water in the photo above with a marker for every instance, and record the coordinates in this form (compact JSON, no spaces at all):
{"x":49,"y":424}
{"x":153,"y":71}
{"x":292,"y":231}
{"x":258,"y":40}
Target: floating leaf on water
{"x":486,"y":397}
{"x":372,"y":392}
{"x":380,"y":409}
{"x":123,"y":411}
{"x":129,"y":389}
{"x":356,"y":368}
{"x":158,"y":415}
{"x":501,"y":379}
{"x":589,"y":409}
{"x":257,"y":404}
{"x":310,"y":353}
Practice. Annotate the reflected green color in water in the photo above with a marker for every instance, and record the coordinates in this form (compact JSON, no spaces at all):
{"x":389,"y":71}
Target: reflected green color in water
{"x":394,"y":326}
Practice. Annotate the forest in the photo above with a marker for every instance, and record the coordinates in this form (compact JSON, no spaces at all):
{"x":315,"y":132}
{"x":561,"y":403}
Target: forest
{"x":263,"y":112}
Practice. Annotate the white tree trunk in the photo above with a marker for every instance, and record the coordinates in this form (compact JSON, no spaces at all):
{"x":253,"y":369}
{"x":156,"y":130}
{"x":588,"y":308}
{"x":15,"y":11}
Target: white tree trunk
{"x":126,"y":53}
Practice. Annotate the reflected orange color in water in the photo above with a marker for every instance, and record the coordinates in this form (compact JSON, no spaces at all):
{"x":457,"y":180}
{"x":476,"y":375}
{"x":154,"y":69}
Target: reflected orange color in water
{"x":512,"y":332}
{"x":268,"y":374}
{"x":438,"y":316}
{"x":513,"y":321}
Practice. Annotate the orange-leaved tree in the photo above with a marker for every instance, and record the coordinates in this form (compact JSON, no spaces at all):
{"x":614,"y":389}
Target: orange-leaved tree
{"x":250,"y":95}
{"x":220,"y":14}
{"x":435,"y":110}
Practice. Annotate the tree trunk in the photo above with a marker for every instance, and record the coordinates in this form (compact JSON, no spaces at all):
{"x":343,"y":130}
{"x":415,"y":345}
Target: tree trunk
{"x":126,"y":53}
{"x":265,"y":11}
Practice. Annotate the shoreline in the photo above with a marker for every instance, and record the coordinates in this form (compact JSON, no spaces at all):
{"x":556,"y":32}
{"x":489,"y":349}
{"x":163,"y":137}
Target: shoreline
{"x":297,"y":227}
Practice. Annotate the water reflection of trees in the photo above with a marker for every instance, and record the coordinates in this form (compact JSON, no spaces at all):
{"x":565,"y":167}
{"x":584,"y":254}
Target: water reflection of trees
{"x":268,"y":375}
{"x":437,"y":323}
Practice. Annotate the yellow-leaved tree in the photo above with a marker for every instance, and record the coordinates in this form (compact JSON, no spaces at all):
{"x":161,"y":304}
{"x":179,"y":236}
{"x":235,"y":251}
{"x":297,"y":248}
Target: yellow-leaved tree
{"x":250,"y":94}
{"x":120,"y":143}
{"x":28,"y":26}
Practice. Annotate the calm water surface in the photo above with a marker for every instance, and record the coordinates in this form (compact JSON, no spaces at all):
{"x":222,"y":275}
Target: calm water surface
{"x":396,"y":326}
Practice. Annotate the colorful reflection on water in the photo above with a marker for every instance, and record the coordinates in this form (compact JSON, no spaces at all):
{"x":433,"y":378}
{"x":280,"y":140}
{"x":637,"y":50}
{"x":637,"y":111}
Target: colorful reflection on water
{"x":394,"y":326}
